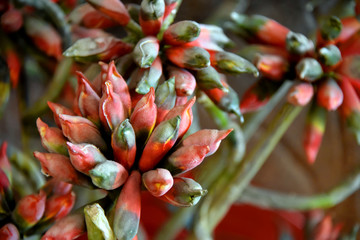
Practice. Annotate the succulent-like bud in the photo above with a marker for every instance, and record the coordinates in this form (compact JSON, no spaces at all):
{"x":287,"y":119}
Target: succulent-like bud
{"x":151,"y":16}
{"x":59,"y":206}
{"x":207,"y":137}
{"x":329,"y":55}
{"x":165,"y":99}
{"x":209,"y":78}
{"x":115,"y":9}
{"x":81,"y":130}
{"x":329,"y":95}
{"x":297,"y":43}
{"x":271,"y":66}
{"x":44,"y":36}
{"x":181,"y":32}
{"x":84,"y":156}
{"x":145,"y":51}
{"x":89,"y":17}
{"x":123,"y":142}
{"x":227,"y":62}
{"x":331,"y":28}
{"x":186,"y":158}
{"x":185,"y":112}
{"x":59,"y":167}
{"x":98,"y":49}
{"x":143,"y":118}
{"x":55,"y":187}
{"x":185,"y":192}
{"x":300,"y":94}
{"x":52,"y":138}
{"x":160,"y":142}
{"x":185,"y":82}
{"x":108,"y":175}
{"x":9,"y":232}
{"x":58,"y":109}
{"x":188,"y":57}
{"x":111,"y":108}
{"x":314,"y":131}
{"x":308,"y":69}
{"x":69,"y":227}
{"x":11,"y":20}
{"x":127,"y":209}
{"x":97,"y":225}
{"x":29,"y":210}
{"x":158,"y":181}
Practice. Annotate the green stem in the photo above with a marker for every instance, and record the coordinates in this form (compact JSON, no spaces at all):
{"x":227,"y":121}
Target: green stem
{"x":134,"y":27}
{"x":273,"y":199}
{"x":53,"y":91}
{"x":232,"y":183}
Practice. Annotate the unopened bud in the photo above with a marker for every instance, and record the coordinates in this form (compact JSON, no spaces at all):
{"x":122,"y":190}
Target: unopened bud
{"x":157,"y":181}
{"x":9,"y":232}
{"x":151,"y":16}
{"x":181,"y":33}
{"x":209,"y":78}
{"x":147,"y":78}
{"x":297,"y":43}
{"x":331,"y":28}
{"x":308,"y":69}
{"x":272,"y":66}
{"x":188,"y":57}
{"x":97,"y":225}
{"x":58,"y":109}
{"x":329,"y":95}
{"x":59,"y":206}
{"x":145,"y":51}
{"x":108,"y":175}
{"x":52,"y":138}
{"x":114,"y":9}
{"x":329,"y":55}
{"x":165,"y":98}
{"x":185,"y":82}
{"x":300,"y":94}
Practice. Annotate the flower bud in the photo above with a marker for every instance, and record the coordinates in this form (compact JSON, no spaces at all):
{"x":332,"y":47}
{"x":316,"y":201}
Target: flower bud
{"x":181,"y":32}
{"x":59,"y":206}
{"x":52,"y":138}
{"x":97,"y":225}
{"x":98,"y":49}
{"x":29,"y":210}
{"x":143,"y":117}
{"x":160,"y":142}
{"x":186,"y":158}
{"x":214,"y":34}
{"x":127,"y":209}
{"x":314,"y":131}
{"x":170,"y":6}
{"x":108,"y":175}
{"x":181,"y":100}
{"x":9,"y":232}
{"x":115,"y":9}
{"x":185,"y":112}
{"x":145,"y":51}
{"x":88,"y":99}
{"x":14,"y":64}
{"x":44,"y":36}
{"x":329,"y":55}
{"x":308,"y":69}
{"x":209,"y":78}
{"x":329,"y":95}
{"x":81,"y":130}
{"x":226,"y":62}
{"x":58,"y":109}
{"x":157,"y":181}
{"x":111,"y":108}
{"x":272,"y":66}
{"x":331,"y":28}
{"x":300,"y":94}
{"x":188,"y":57}
{"x":59,"y":167}
{"x":165,"y":99}
{"x":55,"y":187}
{"x":207,"y":137}
{"x":151,"y":16}
{"x":297,"y":43}
{"x":185,"y":192}
{"x":84,"y":157}
{"x":123,"y":144}
{"x":350,"y":25}
{"x":11,"y":20}
{"x":185,"y":82}
{"x":69,"y":227}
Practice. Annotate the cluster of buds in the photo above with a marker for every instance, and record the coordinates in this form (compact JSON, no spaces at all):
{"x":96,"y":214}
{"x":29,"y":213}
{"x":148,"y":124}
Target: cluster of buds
{"x":187,"y":53}
{"x":107,"y":143}
{"x":30,"y":213}
{"x":323,"y":72}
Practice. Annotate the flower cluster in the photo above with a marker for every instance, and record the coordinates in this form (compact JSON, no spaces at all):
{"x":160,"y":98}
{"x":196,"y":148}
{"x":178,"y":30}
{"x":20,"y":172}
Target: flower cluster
{"x":320,"y":71}
{"x":32,"y":212}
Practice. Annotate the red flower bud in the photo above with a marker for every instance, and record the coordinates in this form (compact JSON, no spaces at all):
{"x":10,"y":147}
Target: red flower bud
{"x":170,"y":6}
{"x":58,"y":109}
{"x":14,"y":64}
{"x":300,"y":94}
{"x":185,"y":82}
{"x":111,"y":108}
{"x":207,"y":137}
{"x":151,"y":16}
{"x":59,"y":166}
{"x":11,"y":20}
{"x":329,"y":95}
{"x":108,"y":175}
{"x":9,"y":232}
{"x":181,"y":100}
{"x":55,"y":187}
{"x":160,"y":142}
{"x":115,"y":9}
{"x":81,"y":130}
{"x":59,"y":206}
{"x":52,"y":138}
{"x":272,"y":66}
{"x":157,"y":181}
{"x":84,"y":157}
{"x":188,"y":57}
{"x":351,"y":45}
{"x":127,"y":209}
{"x":350,"y":25}
{"x":29,"y":210}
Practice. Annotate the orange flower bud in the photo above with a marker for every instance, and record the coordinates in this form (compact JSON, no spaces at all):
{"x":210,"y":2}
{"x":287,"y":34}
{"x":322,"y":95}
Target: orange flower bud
{"x":157,"y":181}
{"x":58,"y":109}
{"x":300,"y":94}
{"x":115,"y":9}
{"x":272,"y":66}
{"x":14,"y":64}
{"x":350,"y":26}
{"x":329,"y":95}
{"x":52,"y":138}
{"x":55,"y":187}
{"x":185,"y":82}
{"x":151,"y":16}
{"x":58,"y":206}
{"x":9,"y":232}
